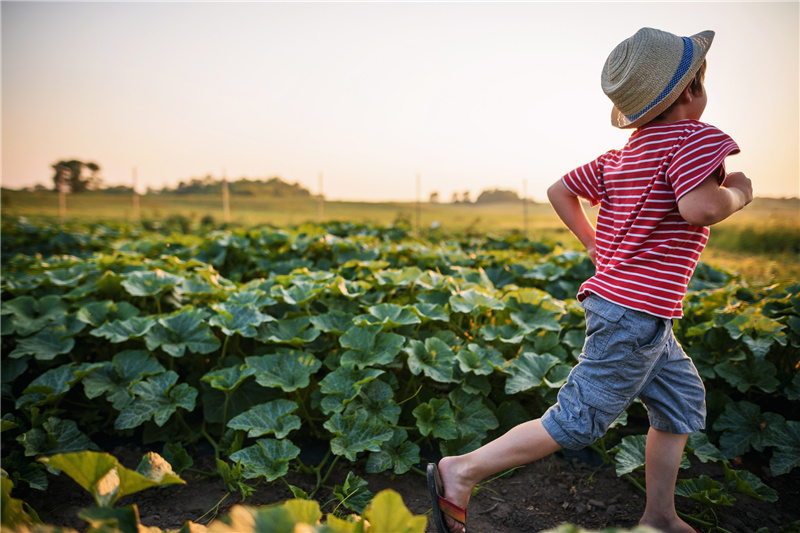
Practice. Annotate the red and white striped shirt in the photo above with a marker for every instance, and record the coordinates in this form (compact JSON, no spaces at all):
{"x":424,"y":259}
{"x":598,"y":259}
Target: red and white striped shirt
{"x":647,"y":252}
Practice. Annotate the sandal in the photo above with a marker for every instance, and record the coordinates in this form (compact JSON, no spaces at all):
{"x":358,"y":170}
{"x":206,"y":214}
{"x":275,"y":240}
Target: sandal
{"x":440,"y":505}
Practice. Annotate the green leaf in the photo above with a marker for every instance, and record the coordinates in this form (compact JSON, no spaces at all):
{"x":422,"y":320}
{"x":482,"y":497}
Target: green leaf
{"x":436,"y":418}
{"x":534,"y":318}
{"x":356,"y":433}
{"x":228,"y":379}
{"x":149,"y":283}
{"x":176,"y":456}
{"x":369,"y":346}
{"x":52,"y":385}
{"x":107,"y":480}
{"x":397,"y":453}
{"x":430,"y":312}
{"x":472,"y":301}
{"x":785,"y":437}
{"x":388,"y":513}
{"x":479,"y":359}
{"x":287,"y":369}
{"x":342,"y":385}
{"x":630,"y":454}
{"x":54,"y":340}
{"x":507,"y":333}
{"x":332,"y":322}
{"x":792,"y":391}
{"x":471,"y":415}
{"x":267,"y":457}
{"x":353,"y":494}
{"x":30,"y":315}
{"x":122,"y":520}
{"x":748,"y":483}
{"x":241,"y":319}
{"x":294,"y":331}
{"x":95,"y":313}
{"x":54,"y":437}
{"x":699,"y":444}
{"x":749,"y":373}
{"x":376,"y":399}
{"x":433,"y":357}
{"x":185,"y":329}
{"x":403,"y":277}
{"x":13,"y":510}
{"x":527,"y":371}
{"x":115,"y":378}
{"x":705,"y":490}
{"x":759,"y":332}
{"x":300,"y":293}
{"x":156,"y":398}
{"x":271,"y":417}
{"x":123,"y":330}
{"x":393,"y":315}
{"x":742,"y":426}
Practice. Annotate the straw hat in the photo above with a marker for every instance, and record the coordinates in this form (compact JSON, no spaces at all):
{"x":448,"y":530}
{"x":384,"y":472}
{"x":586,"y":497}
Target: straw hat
{"x":647,"y":72}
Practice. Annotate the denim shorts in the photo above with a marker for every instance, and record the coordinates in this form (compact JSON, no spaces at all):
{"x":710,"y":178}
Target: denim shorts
{"x":626,"y":354}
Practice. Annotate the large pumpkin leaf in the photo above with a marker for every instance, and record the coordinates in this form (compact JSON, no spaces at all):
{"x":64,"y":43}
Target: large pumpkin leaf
{"x":149,"y":283}
{"x":481,"y":360}
{"x":228,"y":379}
{"x":342,"y":385}
{"x":55,"y":436}
{"x":267,"y":457}
{"x":705,"y":490}
{"x":185,"y":329}
{"x":294,"y":331}
{"x":434,"y":358}
{"x":54,"y":340}
{"x":156,"y":398}
{"x":387,"y":512}
{"x":785,"y":436}
{"x":742,"y":425}
{"x":393,"y":315}
{"x":470,"y":413}
{"x":356,"y":433}
{"x":30,"y":315}
{"x":333,"y":322}
{"x":527,"y":371}
{"x":749,"y":373}
{"x":377,"y":400}
{"x":435,"y":418}
{"x":95,"y":313}
{"x":370,"y":346}
{"x":745,"y":482}
{"x":50,"y":386}
{"x":241,"y":319}
{"x":286,"y":369}
{"x":126,"y":329}
{"x":271,"y":417}
{"x":115,"y":377}
{"x":472,"y":301}
{"x":397,"y":453}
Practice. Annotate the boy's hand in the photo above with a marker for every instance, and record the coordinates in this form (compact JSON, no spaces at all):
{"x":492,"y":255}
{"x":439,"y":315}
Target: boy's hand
{"x":740,"y":182}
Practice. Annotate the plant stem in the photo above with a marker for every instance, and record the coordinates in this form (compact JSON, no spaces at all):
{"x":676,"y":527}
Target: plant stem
{"x":210,"y":440}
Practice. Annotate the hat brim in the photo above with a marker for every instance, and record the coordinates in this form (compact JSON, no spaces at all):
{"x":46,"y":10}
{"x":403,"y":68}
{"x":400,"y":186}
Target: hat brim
{"x":701,"y":43}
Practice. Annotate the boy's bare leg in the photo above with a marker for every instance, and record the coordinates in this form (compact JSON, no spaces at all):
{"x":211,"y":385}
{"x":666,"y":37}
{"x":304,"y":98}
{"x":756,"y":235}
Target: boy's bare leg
{"x":662,"y":461}
{"x":522,"y":444}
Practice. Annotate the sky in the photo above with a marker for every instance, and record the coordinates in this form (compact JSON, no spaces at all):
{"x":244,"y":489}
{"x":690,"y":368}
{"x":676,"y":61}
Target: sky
{"x":370,"y":95}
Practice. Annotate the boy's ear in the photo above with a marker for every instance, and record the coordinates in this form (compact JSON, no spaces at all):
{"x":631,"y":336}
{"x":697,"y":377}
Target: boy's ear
{"x":687,"y":95}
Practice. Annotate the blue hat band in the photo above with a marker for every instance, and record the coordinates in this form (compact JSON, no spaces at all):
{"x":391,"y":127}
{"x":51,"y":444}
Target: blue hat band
{"x":683,"y":68}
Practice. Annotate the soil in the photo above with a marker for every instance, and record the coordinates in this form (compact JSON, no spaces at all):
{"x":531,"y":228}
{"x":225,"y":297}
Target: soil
{"x":566,"y":487}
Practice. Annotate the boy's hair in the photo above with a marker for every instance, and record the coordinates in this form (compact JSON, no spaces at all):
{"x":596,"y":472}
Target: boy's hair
{"x":696,"y":86}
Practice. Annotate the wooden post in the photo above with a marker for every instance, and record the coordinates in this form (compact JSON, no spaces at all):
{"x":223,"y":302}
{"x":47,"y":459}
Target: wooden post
{"x":525,"y":207}
{"x":226,"y":205}
{"x":62,"y":193}
{"x":136,"y":214}
{"x":419,"y":189}
{"x":320,"y":202}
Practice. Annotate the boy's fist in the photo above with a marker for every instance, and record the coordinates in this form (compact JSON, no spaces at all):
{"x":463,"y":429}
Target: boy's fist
{"x":740,"y":182}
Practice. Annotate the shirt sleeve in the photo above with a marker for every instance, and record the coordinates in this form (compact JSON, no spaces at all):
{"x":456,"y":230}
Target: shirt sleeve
{"x":587,"y":181}
{"x":702,"y":153}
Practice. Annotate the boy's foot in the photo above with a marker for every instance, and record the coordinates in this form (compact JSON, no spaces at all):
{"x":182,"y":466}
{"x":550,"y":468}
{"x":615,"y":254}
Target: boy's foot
{"x":456,"y":490}
{"x":675,"y":525}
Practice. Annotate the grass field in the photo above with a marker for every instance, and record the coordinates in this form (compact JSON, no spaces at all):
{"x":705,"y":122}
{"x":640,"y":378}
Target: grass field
{"x":762,"y":242}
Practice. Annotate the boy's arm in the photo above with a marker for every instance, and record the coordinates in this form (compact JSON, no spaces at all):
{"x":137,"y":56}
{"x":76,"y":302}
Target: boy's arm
{"x":709,"y":202}
{"x":570,"y":210}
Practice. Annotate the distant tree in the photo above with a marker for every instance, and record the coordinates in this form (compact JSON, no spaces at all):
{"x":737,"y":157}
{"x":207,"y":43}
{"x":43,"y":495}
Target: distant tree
{"x":497,"y":196}
{"x":75,"y":178}
{"x":434,"y":198}
{"x":465,"y":197}
{"x":455,"y":199}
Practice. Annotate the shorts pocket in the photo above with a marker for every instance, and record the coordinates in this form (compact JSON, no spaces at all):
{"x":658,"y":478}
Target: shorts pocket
{"x":602,"y":322}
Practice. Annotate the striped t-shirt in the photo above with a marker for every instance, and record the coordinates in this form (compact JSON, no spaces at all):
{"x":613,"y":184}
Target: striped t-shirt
{"x":647,"y":252}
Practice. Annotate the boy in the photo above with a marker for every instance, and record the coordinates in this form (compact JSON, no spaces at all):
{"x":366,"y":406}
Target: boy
{"x":657,"y":197}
